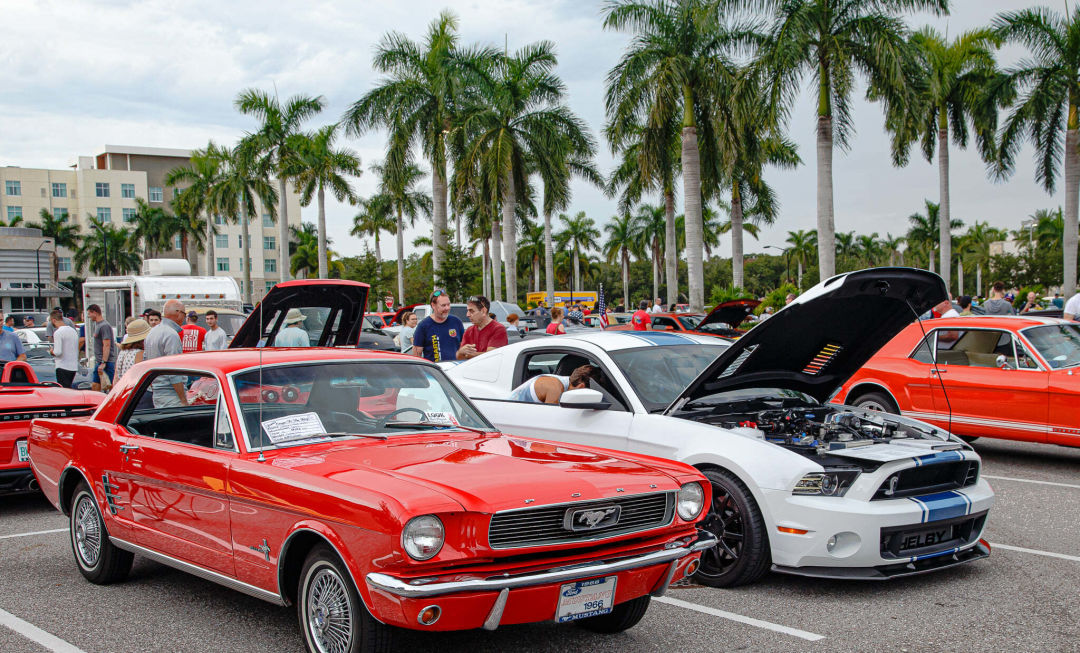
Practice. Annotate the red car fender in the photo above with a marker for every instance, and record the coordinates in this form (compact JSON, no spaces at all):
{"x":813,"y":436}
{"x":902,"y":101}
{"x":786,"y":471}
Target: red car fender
{"x":290,"y":560}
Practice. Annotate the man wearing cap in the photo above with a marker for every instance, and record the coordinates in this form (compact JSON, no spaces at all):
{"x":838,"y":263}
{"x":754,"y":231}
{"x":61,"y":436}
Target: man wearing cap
{"x":485,"y":334}
{"x":191,"y":334}
{"x":293,"y":335}
{"x":164,"y":340}
{"x":438,"y":335}
{"x":65,"y":349}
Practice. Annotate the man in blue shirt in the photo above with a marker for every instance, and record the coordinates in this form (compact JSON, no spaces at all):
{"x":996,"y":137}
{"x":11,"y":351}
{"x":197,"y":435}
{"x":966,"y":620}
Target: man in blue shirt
{"x":438,"y":336}
{"x":9,"y":324}
{"x":11,"y":348}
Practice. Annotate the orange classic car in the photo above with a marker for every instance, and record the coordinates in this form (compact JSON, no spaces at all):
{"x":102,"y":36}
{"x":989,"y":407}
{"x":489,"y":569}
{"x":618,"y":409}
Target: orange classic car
{"x":1010,"y":377}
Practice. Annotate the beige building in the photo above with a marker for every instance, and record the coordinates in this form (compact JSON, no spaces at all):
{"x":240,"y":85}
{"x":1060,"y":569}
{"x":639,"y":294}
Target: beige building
{"x":106,"y":185}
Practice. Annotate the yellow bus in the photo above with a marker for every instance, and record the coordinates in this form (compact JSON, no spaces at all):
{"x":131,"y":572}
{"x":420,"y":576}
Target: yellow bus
{"x":586,"y":298}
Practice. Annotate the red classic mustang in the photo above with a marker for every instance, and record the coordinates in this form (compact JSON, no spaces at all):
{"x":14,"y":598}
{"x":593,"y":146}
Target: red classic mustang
{"x":367,"y":490}
{"x":22,"y":398}
{"x":1016,"y":378}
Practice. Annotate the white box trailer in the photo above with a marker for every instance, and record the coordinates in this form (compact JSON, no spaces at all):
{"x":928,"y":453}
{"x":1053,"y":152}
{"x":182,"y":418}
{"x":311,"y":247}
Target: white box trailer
{"x":123,"y":296}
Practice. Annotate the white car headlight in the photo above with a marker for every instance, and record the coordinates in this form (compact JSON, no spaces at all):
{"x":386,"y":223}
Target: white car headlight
{"x":690,"y":501}
{"x":830,"y":483}
{"x":423,"y":537}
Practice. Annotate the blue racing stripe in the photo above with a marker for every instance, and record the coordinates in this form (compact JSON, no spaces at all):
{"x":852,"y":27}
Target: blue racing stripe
{"x":944,"y":505}
{"x":935,"y":555}
{"x":938,"y":457}
{"x":661,"y":338}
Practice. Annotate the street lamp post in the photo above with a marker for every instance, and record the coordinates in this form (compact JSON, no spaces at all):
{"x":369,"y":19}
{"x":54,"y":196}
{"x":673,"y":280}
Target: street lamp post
{"x":787,"y":259}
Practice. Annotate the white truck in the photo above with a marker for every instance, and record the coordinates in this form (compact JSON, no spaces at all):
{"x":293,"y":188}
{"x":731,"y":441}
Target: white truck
{"x":161,"y":279}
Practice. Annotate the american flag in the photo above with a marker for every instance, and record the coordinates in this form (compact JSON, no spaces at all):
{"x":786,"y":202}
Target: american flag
{"x":601,"y":308}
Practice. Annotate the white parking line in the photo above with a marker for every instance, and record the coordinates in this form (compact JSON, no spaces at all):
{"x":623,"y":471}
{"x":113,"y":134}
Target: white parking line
{"x":35,"y":634}
{"x":750,"y":621}
{"x":55,"y":530}
{"x":1049,"y":554}
{"x":1028,"y":480}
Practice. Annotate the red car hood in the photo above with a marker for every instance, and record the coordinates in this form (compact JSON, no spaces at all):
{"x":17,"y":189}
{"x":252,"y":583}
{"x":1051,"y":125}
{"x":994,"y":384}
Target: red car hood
{"x":485,"y":473}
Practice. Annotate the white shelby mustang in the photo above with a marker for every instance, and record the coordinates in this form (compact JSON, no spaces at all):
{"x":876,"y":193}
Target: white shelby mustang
{"x":799,"y":486}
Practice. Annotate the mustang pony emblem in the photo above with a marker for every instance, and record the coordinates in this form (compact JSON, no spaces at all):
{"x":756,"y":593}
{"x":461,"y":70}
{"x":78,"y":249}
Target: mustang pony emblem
{"x":587,"y":519}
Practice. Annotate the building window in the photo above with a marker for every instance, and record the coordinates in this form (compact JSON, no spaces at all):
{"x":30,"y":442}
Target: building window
{"x":63,"y":263}
{"x":176,"y":192}
{"x":222,"y":264}
{"x":221,"y":241}
{"x":104,"y":214}
{"x":59,"y":189}
{"x":268,"y":220}
{"x":127,"y":191}
{"x":219,"y":219}
{"x":60,"y":213}
{"x":240,"y":241}
{"x":101,"y":189}
{"x":12,"y":187}
{"x":269,"y":242}
{"x":270,"y":265}
{"x":240,"y":262}
{"x":178,"y":242}
{"x":156,"y":194}
{"x":129,"y":215}
{"x":269,"y":285}
{"x":14,"y":212}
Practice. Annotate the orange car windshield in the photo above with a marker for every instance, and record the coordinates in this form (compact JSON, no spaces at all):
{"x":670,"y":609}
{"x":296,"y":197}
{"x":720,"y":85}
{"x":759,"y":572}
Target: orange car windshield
{"x":1058,"y":344}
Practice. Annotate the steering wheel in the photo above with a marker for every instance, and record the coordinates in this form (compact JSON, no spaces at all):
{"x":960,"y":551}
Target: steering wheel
{"x":386,"y":418}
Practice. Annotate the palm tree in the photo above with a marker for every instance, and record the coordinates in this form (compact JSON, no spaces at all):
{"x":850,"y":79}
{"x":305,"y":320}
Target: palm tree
{"x":303,"y":249}
{"x":63,"y":232}
{"x":847,"y":248}
{"x":923,"y":234}
{"x":319,"y":166}
{"x":1048,"y":109}
{"x":107,"y":250}
{"x":869,"y":249}
{"x":15,"y":221}
{"x":418,"y":102}
{"x":201,"y":176}
{"x":975,"y":248}
{"x":531,"y":250}
{"x":278,"y":125}
{"x":153,"y":227}
{"x":397,"y":183}
{"x":802,"y":248}
{"x":573,"y":159}
{"x":244,"y":178}
{"x":374,"y":218}
{"x":832,"y":40}
{"x":189,"y":226}
{"x":621,"y":241}
{"x":650,"y":227}
{"x":890,"y":247}
{"x":959,"y":86}
{"x":579,"y":234}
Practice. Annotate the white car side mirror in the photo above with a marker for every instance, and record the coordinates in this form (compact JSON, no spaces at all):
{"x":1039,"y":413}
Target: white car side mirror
{"x":584,"y":398}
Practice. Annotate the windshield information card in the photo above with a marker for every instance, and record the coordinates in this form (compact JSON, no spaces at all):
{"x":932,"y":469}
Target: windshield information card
{"x":293,"y":427}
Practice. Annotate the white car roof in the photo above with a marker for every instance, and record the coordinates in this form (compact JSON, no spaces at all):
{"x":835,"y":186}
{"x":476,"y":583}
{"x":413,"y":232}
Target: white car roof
{"x":616,"y":340}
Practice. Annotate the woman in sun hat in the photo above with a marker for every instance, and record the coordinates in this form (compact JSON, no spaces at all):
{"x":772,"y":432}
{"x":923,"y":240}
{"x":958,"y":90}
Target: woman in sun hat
{"x":131,"y":347}
{"x":293,"y":335}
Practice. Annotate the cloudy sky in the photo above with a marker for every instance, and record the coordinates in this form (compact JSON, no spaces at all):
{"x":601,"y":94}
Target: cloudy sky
{"x":77,"y":74}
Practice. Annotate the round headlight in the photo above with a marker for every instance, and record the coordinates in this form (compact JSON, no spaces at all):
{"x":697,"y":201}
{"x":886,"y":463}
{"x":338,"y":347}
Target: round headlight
{"x":690,"y":502}
{"x":423,"y":537}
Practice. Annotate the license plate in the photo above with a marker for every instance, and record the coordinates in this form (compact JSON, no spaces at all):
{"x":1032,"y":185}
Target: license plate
{"x":925,"y":538}
{"x":586,"y":598}
{"x":24,"y":453}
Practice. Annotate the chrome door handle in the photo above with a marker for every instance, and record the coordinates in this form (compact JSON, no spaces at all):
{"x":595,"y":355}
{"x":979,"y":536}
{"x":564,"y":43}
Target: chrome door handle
{"x":938,"y":371}
{"x":127,"y":448}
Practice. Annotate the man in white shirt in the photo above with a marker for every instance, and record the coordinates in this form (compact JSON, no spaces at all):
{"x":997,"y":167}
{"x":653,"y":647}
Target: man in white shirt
{"x":1072,"y":307}
{"x":216,"y":339}
{"x":656,"y":307}
{"x":65,"y":350}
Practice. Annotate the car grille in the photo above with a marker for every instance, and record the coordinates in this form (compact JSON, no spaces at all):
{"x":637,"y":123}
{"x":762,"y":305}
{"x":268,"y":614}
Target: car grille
{"x":544,"y":525}
{"x":910,"y":541}
{"x":928,"y":479}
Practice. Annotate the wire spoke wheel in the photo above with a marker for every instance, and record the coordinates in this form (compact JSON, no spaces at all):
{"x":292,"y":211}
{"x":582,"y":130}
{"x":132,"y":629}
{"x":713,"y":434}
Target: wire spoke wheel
{"x":86,"y":531}
{"x":329,"y":612}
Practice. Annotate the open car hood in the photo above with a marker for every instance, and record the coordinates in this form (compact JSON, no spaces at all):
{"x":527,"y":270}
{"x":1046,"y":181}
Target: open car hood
{"x":816,"y":343}
{"x":731,"y":313}
{"x":338,"y":328}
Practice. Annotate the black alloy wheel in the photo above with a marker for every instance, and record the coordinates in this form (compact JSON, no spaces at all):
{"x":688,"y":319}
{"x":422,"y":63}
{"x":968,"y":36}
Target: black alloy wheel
{"x":742,"y":554}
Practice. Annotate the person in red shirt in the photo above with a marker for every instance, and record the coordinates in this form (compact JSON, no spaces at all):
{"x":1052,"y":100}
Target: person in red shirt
{"x":640,"y":320}
{"x":191,"y":334}
{"x":485,"y":333}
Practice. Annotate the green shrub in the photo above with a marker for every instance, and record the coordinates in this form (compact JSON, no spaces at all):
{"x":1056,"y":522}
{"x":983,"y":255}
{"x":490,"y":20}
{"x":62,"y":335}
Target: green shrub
{"x":777,"y":298}
{"x":721,"y":294}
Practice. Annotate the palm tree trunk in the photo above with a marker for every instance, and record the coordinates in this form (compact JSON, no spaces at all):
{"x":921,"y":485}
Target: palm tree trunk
{"x":283,"y":229}
{"x":246,"y":253}
{"x":670,"y":256}
{"x":1072,"y":185}
{"x":577,"y":274}
{"x":978,"y":279}
{"x":549,"y":262}
{"x":959,"y":278}
{"x":655,"y":271}
{"x":496,"y":261}
{"x":378,"y":252}
{"x":401,"y":257}
{"x":509,"y":225}
{"x":625,"y":278}
{"x":536,"y":273}
{"x":322,"y":233}
{"x":736,"y":238}
{"x":800,"y":274}
{"x":438,"y":217}
{"x":691,"y":166}
{"x":825,"y":224}
{"x":944,"y":221}
{"x":211,"y":266}
{"x":487,"y":268}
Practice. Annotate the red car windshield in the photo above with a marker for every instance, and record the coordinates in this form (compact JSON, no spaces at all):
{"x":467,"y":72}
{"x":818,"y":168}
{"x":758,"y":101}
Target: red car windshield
{"x":1059,"y":344}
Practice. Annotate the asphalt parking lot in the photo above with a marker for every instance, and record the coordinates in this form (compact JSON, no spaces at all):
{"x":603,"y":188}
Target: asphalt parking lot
{"x":1025,"y":597}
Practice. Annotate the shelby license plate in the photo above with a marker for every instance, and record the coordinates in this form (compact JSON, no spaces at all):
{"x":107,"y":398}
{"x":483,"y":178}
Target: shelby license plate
{"x":586,"y":598}
{"x":24,"y":453}
{"x":928,"y":537}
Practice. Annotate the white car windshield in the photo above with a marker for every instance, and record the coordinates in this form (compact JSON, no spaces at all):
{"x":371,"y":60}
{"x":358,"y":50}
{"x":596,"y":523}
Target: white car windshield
{"x":1059,"y":344}
{"x":311,"y":402}
{"x":659,"y":374}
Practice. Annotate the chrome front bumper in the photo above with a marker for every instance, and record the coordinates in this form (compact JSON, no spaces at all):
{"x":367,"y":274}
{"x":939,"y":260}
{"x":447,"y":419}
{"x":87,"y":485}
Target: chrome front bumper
{"x":428,"y":587}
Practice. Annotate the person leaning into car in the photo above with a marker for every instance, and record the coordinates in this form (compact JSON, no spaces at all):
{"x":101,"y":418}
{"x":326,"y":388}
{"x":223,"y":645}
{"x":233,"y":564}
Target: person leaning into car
{"x":485,"y":334}
{"x":548,"y":388}
{"x":164,"y":340}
